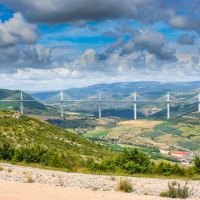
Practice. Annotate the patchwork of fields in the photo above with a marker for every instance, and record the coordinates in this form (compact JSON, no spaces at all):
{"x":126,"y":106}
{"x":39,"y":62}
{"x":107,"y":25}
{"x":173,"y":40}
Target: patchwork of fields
{"x":148,"y":134}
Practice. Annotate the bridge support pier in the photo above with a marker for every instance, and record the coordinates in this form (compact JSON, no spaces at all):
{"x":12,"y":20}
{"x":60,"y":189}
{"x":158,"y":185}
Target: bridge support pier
{"x":99,"y":105}
{"x":135,"y":106}
{"x":21,"y":104}
{"x":61,"y":104}
{"x":168,"y":107}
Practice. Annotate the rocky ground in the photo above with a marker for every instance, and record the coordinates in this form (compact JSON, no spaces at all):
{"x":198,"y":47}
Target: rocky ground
{"x":142,"y":186}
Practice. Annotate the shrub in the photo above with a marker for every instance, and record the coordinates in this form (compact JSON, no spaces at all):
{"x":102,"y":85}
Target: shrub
{"x":29,"y":178}
{"x":176,"y":191}
{"x":61,"y":182}
{"x":125,"y":185}
{"x":197,"y":164}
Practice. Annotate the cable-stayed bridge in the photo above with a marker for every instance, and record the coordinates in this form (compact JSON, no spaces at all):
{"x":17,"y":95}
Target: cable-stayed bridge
{"x":62,"y":98}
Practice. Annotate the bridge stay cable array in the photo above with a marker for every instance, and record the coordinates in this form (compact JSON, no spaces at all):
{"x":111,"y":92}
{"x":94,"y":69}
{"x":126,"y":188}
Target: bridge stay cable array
{"x":61,"y":99}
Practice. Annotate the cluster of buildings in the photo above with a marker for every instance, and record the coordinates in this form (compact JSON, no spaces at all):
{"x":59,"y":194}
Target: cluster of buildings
{"x":184,"y":157}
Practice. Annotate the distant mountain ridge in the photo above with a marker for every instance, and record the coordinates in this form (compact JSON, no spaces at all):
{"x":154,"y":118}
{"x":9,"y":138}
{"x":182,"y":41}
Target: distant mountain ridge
{"x":147,"y":94}
{"x":123,"y":90}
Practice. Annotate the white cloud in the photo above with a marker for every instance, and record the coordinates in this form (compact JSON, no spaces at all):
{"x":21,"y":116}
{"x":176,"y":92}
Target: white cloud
{"x":17,"y":31}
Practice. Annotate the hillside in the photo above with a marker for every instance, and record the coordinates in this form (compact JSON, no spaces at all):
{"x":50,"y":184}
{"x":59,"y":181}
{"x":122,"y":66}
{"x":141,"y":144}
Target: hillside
{"x":121,"y":113}
{"x":33,"y":138}
{"x":189,"y":110}
{"x":31,"y":141}
{"x":30,"y":107}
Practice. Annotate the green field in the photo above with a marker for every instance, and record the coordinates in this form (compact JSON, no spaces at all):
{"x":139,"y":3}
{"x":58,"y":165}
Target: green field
{"x":96,"y":134}
{"x":167,"y":133}
{"x":166,"y":127}
{"x":154,"y":134}
{"x":189,"y":145}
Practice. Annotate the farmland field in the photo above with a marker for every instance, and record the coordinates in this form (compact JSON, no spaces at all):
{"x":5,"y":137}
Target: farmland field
{"x":143,"y":134}
{"x":154,"y":134}
{"x":141,"y":123}
{"x":189,"y":145}
{"x":97,"y":133}
{"x":157,"y":134}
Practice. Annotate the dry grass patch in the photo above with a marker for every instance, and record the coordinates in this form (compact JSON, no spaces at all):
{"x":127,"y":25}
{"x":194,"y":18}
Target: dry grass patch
{"x":9,"y":170}
{"x":141,"y":123}
{"x":29,"y":177}
{"x":176,"y":191}
{"x":125,"y":185}
{"x":61,"y":183}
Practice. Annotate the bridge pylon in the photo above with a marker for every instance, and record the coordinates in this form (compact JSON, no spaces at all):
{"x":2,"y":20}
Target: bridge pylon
{"x":135,"y":106}
{"x":168,"y":107}
{"x":61,"y":104}
{"x":21,"y":103}
{"x":99,"y":105}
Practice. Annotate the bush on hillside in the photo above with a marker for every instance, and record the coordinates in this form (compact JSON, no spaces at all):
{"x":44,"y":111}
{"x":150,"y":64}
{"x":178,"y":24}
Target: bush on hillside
{"x":176,"y":191}
{"x":125,"y":185}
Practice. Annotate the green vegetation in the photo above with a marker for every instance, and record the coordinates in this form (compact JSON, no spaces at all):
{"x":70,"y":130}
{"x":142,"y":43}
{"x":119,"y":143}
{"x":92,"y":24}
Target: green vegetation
{"x":122,"y":113}
{"x":176,"y":191}
{"x":165,"y":127}
{"x":30,"y":141}
{"x":135,"y":162}
{"x":154,"y":134}
{"x":96,"y":134}
{"x":124,"y":185}
{"x":30,"y":107}
{"x":189,"y":145}
{"x":197,"y":164}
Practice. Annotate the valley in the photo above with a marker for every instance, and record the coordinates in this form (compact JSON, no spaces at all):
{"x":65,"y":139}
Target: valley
{"x":81,"y":141}
{"x":157,"y":138}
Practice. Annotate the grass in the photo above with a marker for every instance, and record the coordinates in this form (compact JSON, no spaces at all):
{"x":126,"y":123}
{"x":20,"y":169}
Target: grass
{"x":61,"y":183}
{"x":29,"y":178}
{"x":96,"y":134}
{"x":114,"y":147}
{"x":154,"y":134}
{"x":9,"y":170}
{"x":189,"y":145}
{"x":176,"y":191}
{"x":124,"y":185}
{"x":166,"y":127}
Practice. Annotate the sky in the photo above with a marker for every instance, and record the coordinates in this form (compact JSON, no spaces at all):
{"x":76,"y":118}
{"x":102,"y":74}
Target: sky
{"x":60,"y":44}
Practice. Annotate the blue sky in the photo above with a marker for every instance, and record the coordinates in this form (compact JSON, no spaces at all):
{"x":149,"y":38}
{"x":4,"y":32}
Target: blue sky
{"x":58,"y":44}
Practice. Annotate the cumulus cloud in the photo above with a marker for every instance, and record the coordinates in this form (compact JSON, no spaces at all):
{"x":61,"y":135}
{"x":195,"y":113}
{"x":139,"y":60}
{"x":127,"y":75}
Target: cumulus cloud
{"x":59,"y":11}
{"x":143,"y":40}
{"x":186,"y":40}
{"x":31,"y":56}
{"x":146,"y":11}
{"x":16,"y":31}
{"x":116,"y":68}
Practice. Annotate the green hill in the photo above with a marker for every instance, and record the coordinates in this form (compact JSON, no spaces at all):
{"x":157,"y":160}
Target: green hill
{"x":30,"y":107}
{"x":29,"y":140}
{"x":126,"y":113}
{"x":189,"y":110}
